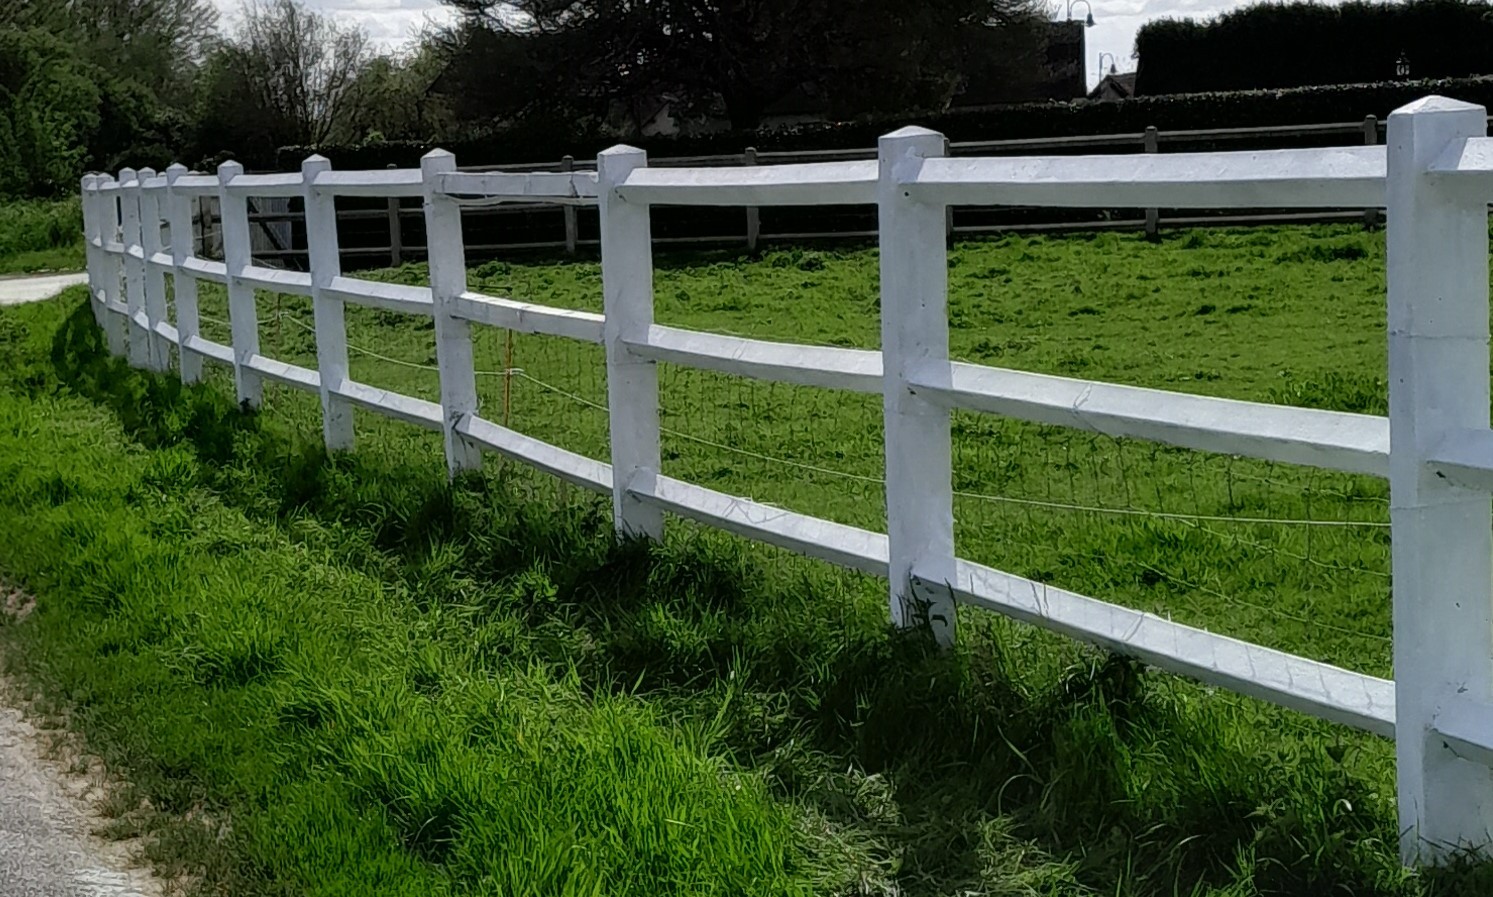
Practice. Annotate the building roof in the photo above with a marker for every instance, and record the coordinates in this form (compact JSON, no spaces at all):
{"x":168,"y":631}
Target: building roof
{"x":1116,"y":86}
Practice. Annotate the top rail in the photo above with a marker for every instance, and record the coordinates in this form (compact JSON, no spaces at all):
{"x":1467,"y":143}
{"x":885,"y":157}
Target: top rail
{"x":1470,"y":163}
{"x":282,"y":184}
{"x":808,"y":184}
{"x":578,"y":188}
{"x":1338,"y":177}
{"x":385,"y":182}
{"x":196,"y":185}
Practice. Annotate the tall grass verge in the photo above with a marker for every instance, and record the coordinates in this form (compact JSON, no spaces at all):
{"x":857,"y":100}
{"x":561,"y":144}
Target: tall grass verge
{"x":40,"y":235}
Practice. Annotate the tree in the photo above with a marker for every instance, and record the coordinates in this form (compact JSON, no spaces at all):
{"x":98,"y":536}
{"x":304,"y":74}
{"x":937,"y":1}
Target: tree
{"x":138,"y":59}
{"x":48,"y":113}
{"x":285,"y":77}
{"x":155,"y":42}
{"x":392,"y":98}
{"x":869,"y":56}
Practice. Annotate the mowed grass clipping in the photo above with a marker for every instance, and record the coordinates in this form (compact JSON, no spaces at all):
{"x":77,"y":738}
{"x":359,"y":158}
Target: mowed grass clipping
{"x":344,"y":676}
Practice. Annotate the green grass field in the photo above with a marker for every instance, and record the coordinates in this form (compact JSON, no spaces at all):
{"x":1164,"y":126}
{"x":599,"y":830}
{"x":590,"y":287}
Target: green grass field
{"x":386,"y":685}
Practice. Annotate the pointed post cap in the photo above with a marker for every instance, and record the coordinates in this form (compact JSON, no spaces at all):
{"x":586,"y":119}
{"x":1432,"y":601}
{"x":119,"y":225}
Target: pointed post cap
{"x":1434,"y":105}
{"x":314,"y":164}
{"x":911,"y":131}
{"x":437,"y":161}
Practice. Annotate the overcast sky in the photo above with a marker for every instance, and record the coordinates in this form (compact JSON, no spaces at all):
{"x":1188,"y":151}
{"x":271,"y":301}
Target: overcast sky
{"x":392,"y":22}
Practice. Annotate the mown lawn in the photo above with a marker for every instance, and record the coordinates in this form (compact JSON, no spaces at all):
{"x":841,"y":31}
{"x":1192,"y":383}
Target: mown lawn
{"x":343,"y":676}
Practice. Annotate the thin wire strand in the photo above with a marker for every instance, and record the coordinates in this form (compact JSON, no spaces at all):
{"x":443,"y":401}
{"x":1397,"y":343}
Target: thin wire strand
{"x":827,"y":471}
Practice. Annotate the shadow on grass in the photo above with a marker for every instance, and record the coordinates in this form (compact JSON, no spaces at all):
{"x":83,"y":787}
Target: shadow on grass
{"x":948,"y":771}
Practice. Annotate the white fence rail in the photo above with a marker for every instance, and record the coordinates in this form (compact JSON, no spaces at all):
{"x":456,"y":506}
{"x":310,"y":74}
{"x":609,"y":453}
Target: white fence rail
{"x":1435,"y":176}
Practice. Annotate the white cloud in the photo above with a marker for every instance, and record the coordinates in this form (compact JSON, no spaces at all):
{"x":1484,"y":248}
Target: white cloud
{"x":390,"y":23}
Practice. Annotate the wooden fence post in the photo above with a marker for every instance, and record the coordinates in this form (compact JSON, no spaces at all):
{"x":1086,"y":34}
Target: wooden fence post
{"x":1370,"y":138}
{"x":753,"y":214}
{"x":567,"y":164}
{"x":396,"y":230}
{"x":324,"y":259}
{"x":183,"y":289}
{"x":155,"y":278}
{"x":632,"y":382}
{"x":915,"y":340}
{"x":134,"y":267}
{"x":201,"y":204}
{"x":1153,"y":216}
{"x":453,"y":335}
{"x":948,"y":212}
{"x":243,"y":318}
{"x":1442,"y":535}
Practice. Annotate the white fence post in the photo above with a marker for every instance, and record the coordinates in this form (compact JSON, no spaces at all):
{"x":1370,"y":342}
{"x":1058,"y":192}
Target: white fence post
{"x":134,"y":267}
{"x":915,"y":339}
{"x":632,"y":382}
{"x":243,"y":319}
{"x":453,"y":336}
{"x":1442,"y":546}
{"x":155,"y":278}
{"x":90,"y":204}
{"x":111,"y":266}
{"x":183,"y":287}
{"x":323,"y":254}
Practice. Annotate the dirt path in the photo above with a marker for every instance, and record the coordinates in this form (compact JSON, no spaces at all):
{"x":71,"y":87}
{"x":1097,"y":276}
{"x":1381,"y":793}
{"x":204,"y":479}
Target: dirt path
{"x":30,"y":288}
{"x":48,"y":811}
{"x":45,"y":846}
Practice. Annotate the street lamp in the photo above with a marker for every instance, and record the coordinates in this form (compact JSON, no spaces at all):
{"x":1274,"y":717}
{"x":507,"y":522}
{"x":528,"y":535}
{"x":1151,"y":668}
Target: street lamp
{"x":1402,"y":66}
{"x":1089,"y":20}
{"x":1112,"y":69}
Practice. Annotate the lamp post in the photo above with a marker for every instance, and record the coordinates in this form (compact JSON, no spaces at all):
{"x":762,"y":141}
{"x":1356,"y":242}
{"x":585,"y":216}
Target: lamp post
{"x":1112,"y":69}
{"x":1089,"y":19}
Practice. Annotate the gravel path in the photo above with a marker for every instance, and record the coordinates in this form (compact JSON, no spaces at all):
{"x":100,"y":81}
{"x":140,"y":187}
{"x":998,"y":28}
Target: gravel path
{"x":15,"y":290}
{"x":46,"y":815}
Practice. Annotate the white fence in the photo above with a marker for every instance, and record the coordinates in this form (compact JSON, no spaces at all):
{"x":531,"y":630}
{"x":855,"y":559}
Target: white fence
{"x":1435,"y":177}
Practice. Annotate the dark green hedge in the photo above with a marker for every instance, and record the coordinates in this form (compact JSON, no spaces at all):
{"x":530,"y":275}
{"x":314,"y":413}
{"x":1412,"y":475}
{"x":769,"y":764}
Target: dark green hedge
{"x":1339,"y":103}
{"x":1276,"y":45}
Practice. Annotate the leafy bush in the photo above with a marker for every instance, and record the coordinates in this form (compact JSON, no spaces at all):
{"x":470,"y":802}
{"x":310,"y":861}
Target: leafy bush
{"x":38,"y":225}
{"x":48,"y":111}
